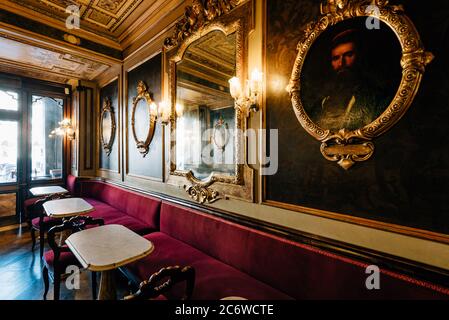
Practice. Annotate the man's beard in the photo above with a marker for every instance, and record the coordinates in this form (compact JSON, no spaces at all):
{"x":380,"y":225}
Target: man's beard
{"x":346,"y":79}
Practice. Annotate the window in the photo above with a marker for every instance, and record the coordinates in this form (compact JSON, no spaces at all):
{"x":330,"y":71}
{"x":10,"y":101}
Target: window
{"x":9,"y":100}
{"x":9,"y":130}
{"x":46,"y":149}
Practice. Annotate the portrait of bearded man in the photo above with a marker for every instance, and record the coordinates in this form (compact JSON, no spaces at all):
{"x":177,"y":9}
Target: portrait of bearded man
{"x":348,"y":98}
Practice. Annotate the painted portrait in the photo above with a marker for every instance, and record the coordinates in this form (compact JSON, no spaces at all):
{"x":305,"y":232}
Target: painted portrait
{"x":350,"y":76}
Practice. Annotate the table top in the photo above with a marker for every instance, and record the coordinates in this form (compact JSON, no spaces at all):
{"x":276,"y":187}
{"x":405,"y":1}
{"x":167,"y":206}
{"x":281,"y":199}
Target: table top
{"x":68,"y":207}
{"x":108,"y":247}
{"x":46,"y":191}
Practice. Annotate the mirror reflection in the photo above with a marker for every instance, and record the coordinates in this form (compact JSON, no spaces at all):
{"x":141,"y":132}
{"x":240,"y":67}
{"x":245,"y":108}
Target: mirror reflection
{"x":107,"y":127}
{"x":142,"y":119}
{"x":205,"y":132}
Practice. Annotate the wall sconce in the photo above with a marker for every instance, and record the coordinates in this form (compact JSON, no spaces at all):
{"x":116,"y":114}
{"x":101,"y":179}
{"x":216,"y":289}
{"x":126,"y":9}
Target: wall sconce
{"x":163,"y":111}
{"x":247,"y":100}
{"x":65,"y":128}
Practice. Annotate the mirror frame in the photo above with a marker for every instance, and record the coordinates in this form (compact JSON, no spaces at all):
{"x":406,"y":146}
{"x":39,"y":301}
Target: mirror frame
{"x":346,"y":147}
{"x":143,"y":94}
{"x":240,"y":184}
{"x":107,"y":108}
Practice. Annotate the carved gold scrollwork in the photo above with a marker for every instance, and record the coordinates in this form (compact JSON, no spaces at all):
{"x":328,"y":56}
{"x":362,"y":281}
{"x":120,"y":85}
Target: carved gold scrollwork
{"x":199,"y":191}
{"x":142,"y":94}
{"x":198,"y":15}
{"x":347,"y":147}
{"x":107,"y":108}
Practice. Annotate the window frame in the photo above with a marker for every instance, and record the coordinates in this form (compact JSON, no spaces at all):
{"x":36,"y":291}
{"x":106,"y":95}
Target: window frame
{"x":26,"y":88}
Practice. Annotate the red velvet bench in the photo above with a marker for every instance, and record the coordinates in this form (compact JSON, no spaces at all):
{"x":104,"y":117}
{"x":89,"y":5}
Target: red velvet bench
{"x":233,"y":260}
{"x":115,"y":205}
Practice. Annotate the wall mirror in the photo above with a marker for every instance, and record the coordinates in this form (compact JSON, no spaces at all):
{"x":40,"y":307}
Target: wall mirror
{"x":202,"y":92}
{"x":107,"y":126}
{"x":207,"y":144}
{"x":143,"y":119}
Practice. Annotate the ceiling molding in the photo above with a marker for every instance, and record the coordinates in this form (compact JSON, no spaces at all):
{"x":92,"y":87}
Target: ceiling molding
{"x":58,"y":24}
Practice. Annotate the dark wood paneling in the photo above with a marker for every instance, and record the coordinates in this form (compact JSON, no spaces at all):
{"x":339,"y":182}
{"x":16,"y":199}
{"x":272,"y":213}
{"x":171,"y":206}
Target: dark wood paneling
{"x":87,"y":101}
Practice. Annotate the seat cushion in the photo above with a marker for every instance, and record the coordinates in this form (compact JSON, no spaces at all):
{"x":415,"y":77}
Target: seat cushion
{"x":66,"y":258}
{"x":213,"y":279}
{"x":137,"y":205}
{"x":110,"y":215}
{"x":48,"y":222}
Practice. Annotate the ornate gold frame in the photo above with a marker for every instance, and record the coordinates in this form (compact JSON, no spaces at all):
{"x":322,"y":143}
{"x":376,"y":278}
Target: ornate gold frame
{"x":238,"y":21}
{"x":143,"y":94}
{"x":347,"y":147}
{"x":107,"y":107}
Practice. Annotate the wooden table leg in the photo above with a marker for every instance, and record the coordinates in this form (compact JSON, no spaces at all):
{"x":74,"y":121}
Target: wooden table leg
{"x":107,"y":286}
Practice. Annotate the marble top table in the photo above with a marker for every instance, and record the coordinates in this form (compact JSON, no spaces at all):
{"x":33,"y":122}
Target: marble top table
{"x":69,"y":207}
{"x":106,"y":248}
{"x":47,"y":191}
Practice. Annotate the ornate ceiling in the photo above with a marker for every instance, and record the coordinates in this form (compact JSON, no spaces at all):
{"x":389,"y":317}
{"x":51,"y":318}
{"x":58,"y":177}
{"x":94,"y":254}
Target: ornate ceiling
{"x":109,"y":31}
{"x":107,"y":18}
{"x":35,"y":62}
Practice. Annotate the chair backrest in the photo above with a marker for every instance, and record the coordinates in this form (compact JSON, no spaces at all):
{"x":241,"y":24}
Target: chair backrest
{"x":74,"y":224}
{"x":154,"y":287}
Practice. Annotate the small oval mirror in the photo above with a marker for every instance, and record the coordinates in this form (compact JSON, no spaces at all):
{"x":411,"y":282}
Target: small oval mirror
{"x":107,"y":126}
{"x":142,"y":119}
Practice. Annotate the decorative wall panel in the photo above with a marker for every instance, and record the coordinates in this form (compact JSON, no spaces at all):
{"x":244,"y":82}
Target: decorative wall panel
{"x":111,"y":161}
{"x":149,"y":166}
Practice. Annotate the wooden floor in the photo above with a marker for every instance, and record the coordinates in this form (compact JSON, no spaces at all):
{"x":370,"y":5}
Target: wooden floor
{"x":21,"y":271}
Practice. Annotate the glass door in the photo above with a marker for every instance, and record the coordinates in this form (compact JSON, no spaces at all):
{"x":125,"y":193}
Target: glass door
{"x":46,"y":147}
{"x":10,"y":128}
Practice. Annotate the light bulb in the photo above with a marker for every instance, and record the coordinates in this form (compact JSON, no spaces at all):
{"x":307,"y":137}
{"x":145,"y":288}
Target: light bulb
{"x":235,"y":87}
{"x":256,"y":81}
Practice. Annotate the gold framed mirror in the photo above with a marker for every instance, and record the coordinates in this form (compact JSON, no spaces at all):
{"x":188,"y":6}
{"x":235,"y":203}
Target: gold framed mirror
{"x":207,"y":146}
{"x":143,"y":119}
{"x":107,"y":126}
{"x":346,"y":87}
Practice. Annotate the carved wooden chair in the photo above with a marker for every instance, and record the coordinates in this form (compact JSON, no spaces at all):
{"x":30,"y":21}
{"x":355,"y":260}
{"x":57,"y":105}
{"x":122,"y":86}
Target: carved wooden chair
{"x":60,"y":257}
{"x":154,"y":287}
{"x":39,"y":222}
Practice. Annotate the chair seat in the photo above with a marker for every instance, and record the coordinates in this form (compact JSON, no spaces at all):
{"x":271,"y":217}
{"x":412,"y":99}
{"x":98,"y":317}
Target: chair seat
{"x":48,"y":222}
{"x":66,"y":259}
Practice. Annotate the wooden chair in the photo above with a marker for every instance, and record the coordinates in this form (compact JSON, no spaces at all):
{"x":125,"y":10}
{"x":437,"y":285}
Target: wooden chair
{"x":154,"y":287}
{"x":39,"y":222}
{"x":60,"y":257}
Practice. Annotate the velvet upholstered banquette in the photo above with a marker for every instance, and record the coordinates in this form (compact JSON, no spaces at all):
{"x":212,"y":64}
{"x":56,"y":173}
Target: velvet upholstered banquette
{"x":234,"y":260}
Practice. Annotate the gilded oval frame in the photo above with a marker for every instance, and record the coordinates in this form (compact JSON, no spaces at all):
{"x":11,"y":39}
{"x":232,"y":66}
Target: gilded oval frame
{"x":107,"y":108}
{"x":349,"y":146}
{"x":143,"y":94}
